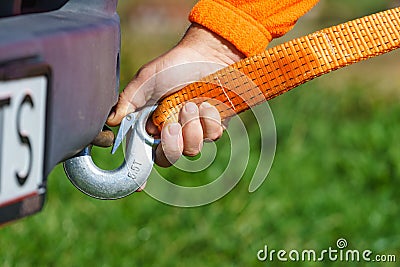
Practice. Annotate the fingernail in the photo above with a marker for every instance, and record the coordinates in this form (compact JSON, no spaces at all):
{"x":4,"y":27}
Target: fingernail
{"x":191,"y":107}
{"x":206,"y":105}
{"x":174,"y":129}
{"x":111,"y":116}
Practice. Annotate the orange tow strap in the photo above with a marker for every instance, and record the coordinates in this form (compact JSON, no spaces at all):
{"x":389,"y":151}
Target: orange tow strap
{"x":262,"y":77}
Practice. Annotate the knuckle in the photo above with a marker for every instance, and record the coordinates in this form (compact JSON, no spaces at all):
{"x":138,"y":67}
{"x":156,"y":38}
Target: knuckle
{"x":211,"y":123}
{"x":145,"y":71}
{"x":215,"y":134}
{"x":191,"y":152}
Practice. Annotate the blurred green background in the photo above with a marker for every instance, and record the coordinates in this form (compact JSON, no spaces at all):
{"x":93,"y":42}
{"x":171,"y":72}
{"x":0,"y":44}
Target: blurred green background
{"x":336,"y":172}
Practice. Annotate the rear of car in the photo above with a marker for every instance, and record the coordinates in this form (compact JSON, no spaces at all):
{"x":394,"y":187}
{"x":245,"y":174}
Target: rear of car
{"x":59,"y":75}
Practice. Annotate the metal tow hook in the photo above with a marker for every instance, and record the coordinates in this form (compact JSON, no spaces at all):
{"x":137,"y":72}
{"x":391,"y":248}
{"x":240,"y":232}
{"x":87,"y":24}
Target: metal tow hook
{"x":126,"y":179}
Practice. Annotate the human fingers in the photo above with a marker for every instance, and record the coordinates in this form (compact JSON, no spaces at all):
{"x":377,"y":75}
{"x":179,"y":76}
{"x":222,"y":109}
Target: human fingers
{"x":192,"y":130}
{"x":210,"y":121}
{"x":171,"y":147}
{"x":187,"y":137}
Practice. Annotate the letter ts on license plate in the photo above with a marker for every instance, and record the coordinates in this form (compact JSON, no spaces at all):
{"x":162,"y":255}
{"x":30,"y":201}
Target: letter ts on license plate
{"x":22,"y":144}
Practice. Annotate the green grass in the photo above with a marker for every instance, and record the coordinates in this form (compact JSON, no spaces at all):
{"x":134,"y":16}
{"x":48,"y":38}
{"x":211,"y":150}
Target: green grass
{"x":336,"y":174}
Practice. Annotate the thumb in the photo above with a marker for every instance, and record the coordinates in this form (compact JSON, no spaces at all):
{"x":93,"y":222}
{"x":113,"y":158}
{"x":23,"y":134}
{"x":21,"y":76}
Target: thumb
{"x":132,"y":98}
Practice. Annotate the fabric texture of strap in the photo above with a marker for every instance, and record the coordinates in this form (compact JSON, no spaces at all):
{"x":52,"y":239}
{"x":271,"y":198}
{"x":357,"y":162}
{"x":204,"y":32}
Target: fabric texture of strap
{"x":262,"y":77}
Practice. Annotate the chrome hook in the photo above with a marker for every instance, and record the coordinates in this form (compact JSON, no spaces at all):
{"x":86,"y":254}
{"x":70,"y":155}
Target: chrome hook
{"x":126,"y":179}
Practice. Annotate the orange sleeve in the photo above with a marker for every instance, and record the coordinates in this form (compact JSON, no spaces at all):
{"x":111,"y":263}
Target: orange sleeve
{"x":249,"y":24}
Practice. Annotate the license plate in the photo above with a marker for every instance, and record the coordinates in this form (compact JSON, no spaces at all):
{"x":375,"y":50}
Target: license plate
{"x":22,"y":145}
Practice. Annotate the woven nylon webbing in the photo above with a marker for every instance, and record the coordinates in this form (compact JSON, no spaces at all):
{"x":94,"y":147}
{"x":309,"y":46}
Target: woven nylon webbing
{"x":262,"y":77}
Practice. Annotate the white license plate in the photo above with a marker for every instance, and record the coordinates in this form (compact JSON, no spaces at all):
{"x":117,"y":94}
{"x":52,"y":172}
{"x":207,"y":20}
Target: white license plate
{"x":22,"y":144}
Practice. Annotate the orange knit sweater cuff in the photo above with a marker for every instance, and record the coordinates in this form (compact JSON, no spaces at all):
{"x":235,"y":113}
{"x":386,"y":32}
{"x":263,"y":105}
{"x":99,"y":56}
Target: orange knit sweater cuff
{"x":233,"y":24}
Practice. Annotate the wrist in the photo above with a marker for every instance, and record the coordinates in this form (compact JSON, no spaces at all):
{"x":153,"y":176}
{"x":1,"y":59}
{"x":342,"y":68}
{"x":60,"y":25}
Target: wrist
{"x":210,"y":45}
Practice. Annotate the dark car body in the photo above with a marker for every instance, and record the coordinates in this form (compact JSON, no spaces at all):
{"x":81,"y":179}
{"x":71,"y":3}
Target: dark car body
{"x":75,"y":44}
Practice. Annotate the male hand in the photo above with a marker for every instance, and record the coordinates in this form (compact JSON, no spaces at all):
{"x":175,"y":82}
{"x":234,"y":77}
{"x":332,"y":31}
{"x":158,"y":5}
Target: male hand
{"x":199,"y":53}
